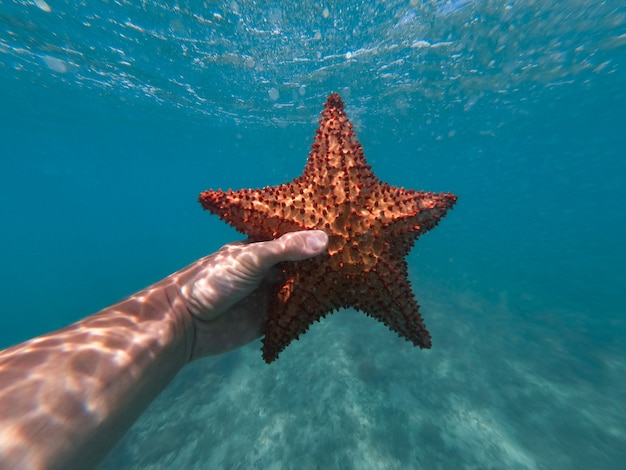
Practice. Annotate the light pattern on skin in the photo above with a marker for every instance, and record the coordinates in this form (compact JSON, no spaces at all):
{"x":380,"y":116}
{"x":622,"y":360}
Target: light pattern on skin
{"x":57,"y":389}
{"x":68,"y":396}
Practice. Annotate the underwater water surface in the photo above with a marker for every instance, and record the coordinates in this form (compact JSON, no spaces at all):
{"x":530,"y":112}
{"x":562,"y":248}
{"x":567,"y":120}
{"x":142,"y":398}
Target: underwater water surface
{"x":115,"y":115}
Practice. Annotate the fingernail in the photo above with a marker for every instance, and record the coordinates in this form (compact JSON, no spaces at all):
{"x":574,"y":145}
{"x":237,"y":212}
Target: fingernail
{"x":316,"y":241}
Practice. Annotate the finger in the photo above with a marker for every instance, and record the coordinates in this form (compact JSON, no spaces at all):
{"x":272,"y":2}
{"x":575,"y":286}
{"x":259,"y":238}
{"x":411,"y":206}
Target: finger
{"x":293,"y":246}
{"x":237,"y":270}
{"x":240,"y":324}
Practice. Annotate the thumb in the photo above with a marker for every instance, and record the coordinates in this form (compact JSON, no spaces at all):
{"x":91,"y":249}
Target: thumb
{"x":237,"y":270}
{"x":292,"y":246}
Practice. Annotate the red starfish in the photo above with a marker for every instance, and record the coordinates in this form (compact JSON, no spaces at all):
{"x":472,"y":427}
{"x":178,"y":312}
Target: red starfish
{"x":371,"y":225}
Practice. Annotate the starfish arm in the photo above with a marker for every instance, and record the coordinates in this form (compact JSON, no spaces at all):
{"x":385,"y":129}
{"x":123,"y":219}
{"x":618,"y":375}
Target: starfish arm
{"x":261,"y":214}
{"x":415,"y":212}
{"x":297,"y":305}
{"x":391,"y":301}
{"x":407,"y":211}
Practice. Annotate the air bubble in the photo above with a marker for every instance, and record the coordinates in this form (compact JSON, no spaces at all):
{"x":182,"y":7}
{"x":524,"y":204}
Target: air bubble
{"x":55,"y":64}
{"x":42,"y":5}
{"x":273,"y":94}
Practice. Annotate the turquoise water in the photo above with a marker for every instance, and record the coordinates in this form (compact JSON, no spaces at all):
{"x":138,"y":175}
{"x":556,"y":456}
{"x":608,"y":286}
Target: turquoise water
{"x":115,"y":115}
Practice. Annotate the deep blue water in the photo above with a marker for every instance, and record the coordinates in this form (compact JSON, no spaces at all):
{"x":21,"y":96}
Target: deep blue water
{"x":115,"y":115}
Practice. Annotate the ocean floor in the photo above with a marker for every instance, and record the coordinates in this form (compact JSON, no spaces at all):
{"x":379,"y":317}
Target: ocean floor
{"x":501,"y":388}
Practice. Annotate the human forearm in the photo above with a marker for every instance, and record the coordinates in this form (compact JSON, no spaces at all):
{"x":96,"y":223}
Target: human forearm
{"x":68,"y":396}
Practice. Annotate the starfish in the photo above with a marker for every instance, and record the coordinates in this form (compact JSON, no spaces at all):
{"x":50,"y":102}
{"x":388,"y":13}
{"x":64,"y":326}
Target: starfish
{"x":371,"y":227}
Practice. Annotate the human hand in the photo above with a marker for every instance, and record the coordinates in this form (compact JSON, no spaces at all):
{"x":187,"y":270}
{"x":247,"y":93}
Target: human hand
{"x":117,"y":360}
{"x":228,"y":292}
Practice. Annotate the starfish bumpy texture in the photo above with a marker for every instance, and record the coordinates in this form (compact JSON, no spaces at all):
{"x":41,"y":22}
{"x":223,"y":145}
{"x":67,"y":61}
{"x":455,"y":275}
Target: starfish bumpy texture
{"x":371,"y":226}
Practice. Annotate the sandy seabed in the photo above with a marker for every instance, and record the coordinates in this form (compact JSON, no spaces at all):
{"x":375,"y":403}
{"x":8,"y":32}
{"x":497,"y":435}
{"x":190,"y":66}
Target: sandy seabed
{"x":510,"y":383}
